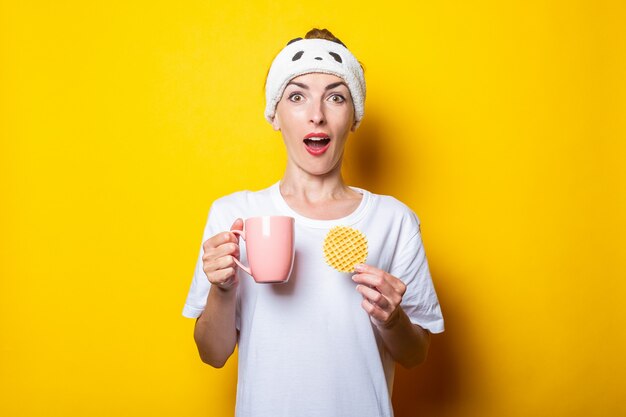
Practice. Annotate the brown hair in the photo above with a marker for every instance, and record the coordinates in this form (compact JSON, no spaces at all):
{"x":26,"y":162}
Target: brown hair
{"x":319,"y":34}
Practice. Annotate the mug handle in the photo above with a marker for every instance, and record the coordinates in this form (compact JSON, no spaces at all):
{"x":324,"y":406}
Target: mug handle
{"x":242,"y":266}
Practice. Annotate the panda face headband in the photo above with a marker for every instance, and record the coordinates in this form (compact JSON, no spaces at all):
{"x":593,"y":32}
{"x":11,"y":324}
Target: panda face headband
{"x":307,"y":56}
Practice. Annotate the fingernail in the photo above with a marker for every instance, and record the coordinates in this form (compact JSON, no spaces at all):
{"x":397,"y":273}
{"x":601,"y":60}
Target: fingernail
{"x":359,"y":267}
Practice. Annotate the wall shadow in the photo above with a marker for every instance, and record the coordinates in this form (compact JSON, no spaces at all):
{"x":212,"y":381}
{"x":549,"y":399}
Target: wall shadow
{"x":365,"y":157}
{"x":434,"y":388}
{"x":380,"y":165}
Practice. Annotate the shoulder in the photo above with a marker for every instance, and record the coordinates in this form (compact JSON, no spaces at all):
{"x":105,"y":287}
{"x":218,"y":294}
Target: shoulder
{"x":241,"y":200}
{"x":231,"y":200}
{"x":390,"y":217}
{"x":387,"y":202}
{"x":390,"y":206}
{"x":241,"y":204}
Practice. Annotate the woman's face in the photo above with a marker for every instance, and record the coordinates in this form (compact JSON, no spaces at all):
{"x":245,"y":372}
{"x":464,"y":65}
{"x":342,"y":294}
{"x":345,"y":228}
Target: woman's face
{"x":315,"y":115}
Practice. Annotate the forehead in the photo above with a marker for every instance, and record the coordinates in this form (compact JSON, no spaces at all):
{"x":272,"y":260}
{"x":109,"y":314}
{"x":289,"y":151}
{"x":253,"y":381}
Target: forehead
{"x":318,"y":79}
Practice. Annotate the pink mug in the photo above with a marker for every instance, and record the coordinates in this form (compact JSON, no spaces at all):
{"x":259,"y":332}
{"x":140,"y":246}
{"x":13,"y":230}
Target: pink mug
{"x":269,"y":246}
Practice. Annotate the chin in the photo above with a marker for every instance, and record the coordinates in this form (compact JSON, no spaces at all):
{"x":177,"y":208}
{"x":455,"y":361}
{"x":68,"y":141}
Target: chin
{"x":321,"y":171}
{"x":317,"y":172}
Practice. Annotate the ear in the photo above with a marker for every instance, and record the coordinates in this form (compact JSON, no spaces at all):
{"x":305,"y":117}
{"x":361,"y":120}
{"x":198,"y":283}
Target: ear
{"x":276,"y":123}
{"x":353,"y":128}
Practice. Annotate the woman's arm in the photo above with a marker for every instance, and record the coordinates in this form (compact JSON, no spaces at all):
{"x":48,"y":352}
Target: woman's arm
{"x":215,"y":332}
{"x":407,"y":342}
{"x":382,"y":294}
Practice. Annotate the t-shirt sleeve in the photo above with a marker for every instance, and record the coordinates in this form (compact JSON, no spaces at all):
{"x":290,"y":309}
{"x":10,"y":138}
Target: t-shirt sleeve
{"x":420,"y":300}
{"x":200,"y":285}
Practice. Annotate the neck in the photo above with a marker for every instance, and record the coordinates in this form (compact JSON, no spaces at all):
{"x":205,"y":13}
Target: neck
{"x":302,"y":185}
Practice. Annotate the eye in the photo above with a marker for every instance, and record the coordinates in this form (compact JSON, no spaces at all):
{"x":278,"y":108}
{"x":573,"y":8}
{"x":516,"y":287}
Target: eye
{"x":337,"y":98}
{"x":295,"y":97}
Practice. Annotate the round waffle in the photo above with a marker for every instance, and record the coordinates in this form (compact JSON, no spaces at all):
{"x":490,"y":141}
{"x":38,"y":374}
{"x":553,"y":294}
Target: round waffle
{"x":344,"y":248}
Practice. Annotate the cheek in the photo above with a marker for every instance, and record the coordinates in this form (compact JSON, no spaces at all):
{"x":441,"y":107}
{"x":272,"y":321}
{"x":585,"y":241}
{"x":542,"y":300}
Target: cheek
{"x":290,"y":131}
{"x":344,"y":120}
{"x":289,"y":116}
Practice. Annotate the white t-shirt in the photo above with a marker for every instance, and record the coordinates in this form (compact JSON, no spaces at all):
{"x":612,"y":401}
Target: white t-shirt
{"x":306,"y":347}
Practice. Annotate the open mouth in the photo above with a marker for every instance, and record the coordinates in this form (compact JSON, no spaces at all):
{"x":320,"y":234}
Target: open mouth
{"x":316,"y":143}
{"x":316,"y":146}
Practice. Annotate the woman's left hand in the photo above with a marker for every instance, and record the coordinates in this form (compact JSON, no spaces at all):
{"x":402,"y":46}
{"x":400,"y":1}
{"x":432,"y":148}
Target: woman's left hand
{"x":382,"y":294}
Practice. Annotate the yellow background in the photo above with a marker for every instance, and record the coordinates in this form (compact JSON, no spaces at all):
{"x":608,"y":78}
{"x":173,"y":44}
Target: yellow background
{"x":502,"y":124}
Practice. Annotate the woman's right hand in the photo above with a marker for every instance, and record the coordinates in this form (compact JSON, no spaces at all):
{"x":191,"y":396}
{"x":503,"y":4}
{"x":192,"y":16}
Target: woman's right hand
{"x":218,"y":261}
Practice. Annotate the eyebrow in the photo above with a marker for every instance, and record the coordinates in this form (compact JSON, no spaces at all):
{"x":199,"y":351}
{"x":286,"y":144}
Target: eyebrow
{"x":328,"y":87}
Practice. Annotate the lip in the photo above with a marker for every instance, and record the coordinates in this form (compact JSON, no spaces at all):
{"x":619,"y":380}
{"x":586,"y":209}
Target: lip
{"x":317,"y":135}
{"x":317,"y":151}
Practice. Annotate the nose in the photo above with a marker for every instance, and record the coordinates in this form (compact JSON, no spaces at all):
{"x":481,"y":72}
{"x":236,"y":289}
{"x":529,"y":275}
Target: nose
{"x":317,"y":116}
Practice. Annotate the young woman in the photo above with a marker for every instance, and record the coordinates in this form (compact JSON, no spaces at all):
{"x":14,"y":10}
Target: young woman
{"x":326,"y":342}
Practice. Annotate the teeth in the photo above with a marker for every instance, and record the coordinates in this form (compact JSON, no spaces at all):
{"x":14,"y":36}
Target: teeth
{"x":318,"y":139}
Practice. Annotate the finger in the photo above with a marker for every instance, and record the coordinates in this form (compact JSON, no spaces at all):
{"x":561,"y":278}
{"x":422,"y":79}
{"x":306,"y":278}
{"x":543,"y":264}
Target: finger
{"x":219,"y":239}
{"x":370,"y":269}
{"x":377,"y":280}
{"x":397,"y":284}
{"x":375,"y":312}
{"x":224,"y":278}
{"x":221,"y":269}
{"x":223,"y":262}
{"x":373,"y":296}
{"x":237,"y":224}
{"x":228,"y":248}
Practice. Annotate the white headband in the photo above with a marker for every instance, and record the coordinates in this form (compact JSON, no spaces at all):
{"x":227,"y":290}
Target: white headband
{"x":314,"y":55}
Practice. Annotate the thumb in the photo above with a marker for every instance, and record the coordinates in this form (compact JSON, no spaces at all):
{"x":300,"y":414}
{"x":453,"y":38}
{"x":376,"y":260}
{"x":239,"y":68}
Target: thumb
{"x":237,"y":225}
